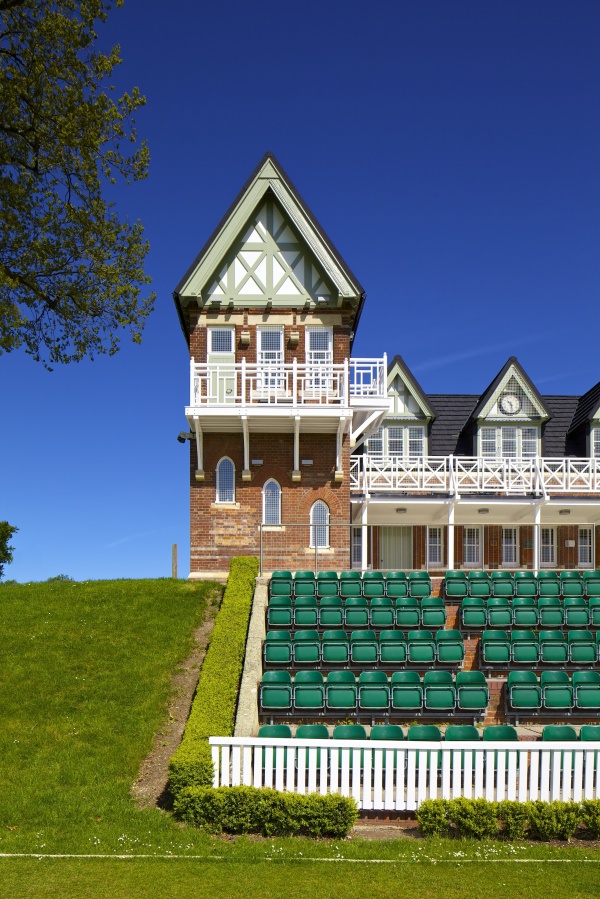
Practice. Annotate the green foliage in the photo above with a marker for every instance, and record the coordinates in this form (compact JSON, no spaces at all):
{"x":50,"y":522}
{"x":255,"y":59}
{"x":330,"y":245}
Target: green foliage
{"x":590,"y":815}
{"x":474,"y":817}
{"x":553,"y":820}
{"x":515,"y":819}
{"x":71,"y":271}
{"x":432,"y":817}
{"x":267,"y":812}
{"x":6,"y":551}
{"x":213,"y":709}
{"x":59,"y":579}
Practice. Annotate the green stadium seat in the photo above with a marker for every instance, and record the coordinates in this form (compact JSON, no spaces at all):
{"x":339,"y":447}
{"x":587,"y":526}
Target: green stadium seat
{"x":554,"y":649}
{"x":456,"y":585}
{"x":281,"y":584}
{"x":306,"y":612}
{"x":356,"y":612}
{"x":594,"y":607}
{"x":499,"y":612}
{"x":392,"y":648}
{"x":524,"y":612}
{"x":386,"y":732}
{"x":524,"y":647}
{"x":277,"y":731}
{"x":407,"y":691}
{"x":373,"y":584}
{"x":419,"y":584}
{"x":313,"y":732}
{"x":503,"y":584}
{"x":381,"y":612}
{"x":396,"y":584}
{"x":351,"y":732}
{"x":420,"y":647}
{"x":335,"y":648}
{"x":439,"y":691}
{"x":373,"y":691}
{"x":465,"y":733}
{"x":364,"y":648}
{"x":479,"y":584}
{"x":276,"y":691}
{"x":586,"y":686}
{"x":576,"y":612}
{"x":327,"y":584}
{"x":449,"y":647}
{"x":494,"y":648}
{"x":433,"y":612}
{"x":524,"y":691}
{"x":525,"y":583}
{"x":559,"y":733}
{"x":307,"y":647}
{"x":499,"y":732}
{"x":582,"y":647}
{"x":341,"y":692}
{"x":472,"y":693}
{"x":277,"y":648}
{"x":557,"y":690}
{"x":473,"y":613}
{"x":591,"y":583}
{"x":571,"y":583}
{"x":279,"y":612}
{"x":548,"y":583}
{"x":309,"y":691}
{"x":408,"y":612}
{"x":305,"y":583}
{"x":350,"y":583}
{"x":550,"y":612}
{"x":427,"y":732}
{"x":331,"y":611}
{"x":590,"y":732}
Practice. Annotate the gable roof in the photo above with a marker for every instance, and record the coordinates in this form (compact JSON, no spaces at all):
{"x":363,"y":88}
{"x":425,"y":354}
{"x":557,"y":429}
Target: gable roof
{"x":413,"y":385}
{"x":587,"y":407}
{"x":269,"y":176}
{"x":488,"y":393}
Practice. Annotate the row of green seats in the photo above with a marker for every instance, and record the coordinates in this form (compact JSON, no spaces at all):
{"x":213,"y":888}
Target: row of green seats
{"x":459,"y":584}
{"x":527,"y":611}
{"x":462,"y":732}
{"x":355,"y":611}
{"x":363,"y":647}
{"x":350,"y":583}
{"x":554,"y":691}
{"x":525,"y":647}
{"x":406,"y":692}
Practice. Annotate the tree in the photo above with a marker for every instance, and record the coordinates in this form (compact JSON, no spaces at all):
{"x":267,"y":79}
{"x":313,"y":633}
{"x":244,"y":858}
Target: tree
{"x":71,"y":271}
{"x":6,"y":551}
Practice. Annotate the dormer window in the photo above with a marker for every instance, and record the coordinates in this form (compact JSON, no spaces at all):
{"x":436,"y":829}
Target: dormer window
{"x":506,"y":442}
{"x":398,"y":441}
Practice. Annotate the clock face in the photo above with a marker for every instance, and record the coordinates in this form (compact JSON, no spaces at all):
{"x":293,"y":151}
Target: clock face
{"x":510,"y":403}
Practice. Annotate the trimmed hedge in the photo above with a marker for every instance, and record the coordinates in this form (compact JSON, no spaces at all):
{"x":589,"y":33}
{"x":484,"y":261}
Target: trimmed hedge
{"x":267,"y":812}
{"x":213,"y":708}
{"x":513,"y":820}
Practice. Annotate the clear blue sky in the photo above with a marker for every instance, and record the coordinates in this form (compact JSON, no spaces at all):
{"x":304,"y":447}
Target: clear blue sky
{"x":450,"y":150}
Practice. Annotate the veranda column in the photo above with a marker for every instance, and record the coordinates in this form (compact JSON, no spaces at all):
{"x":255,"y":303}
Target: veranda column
{"x":537,"y":517}
{"x":451,"y":538}
{"x":364,"y":543}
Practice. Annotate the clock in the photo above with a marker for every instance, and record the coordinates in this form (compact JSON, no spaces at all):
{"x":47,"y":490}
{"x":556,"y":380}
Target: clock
{"x":510,"y":403}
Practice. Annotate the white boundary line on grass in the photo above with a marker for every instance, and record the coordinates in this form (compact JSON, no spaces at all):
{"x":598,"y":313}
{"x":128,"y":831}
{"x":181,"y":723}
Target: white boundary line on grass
{"x":360,"y":861}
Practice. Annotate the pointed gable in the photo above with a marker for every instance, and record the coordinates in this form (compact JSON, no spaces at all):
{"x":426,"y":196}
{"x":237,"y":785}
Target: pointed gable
{"x":407,"y":398}
{"x":269,"y":248}
{"x":511,"y":396}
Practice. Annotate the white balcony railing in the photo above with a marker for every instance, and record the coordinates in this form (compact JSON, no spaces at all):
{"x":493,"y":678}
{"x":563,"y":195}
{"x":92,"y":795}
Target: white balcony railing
{"x":399,"y":776}
{"x":244,"y":383}
{"x":466,"y":475}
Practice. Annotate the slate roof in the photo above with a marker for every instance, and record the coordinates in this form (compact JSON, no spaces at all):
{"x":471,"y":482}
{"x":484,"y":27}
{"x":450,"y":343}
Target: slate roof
{"x":587,"y":406}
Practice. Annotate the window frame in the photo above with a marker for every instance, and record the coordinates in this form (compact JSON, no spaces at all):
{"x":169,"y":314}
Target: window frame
{"x":595,"y":442}
{"x":515,"y":562}
{"x":315,"y":526}
{"x":212,"y":330}
{"x":474,"y":563}
{"x":438,"y":544}
{"x":266,"y":523}
{"x":218,"y":485}
{"x":589,"y":544}
{"x":383,"y":434}
{"x":548,"y":563}
{"x":483,"y":435}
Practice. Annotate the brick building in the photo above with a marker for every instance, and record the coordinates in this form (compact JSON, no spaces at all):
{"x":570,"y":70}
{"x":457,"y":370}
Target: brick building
{"x":322,"y":460}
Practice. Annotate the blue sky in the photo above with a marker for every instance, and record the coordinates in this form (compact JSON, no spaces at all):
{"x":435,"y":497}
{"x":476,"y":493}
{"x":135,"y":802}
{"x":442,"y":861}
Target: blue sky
{"x":450,"y":150}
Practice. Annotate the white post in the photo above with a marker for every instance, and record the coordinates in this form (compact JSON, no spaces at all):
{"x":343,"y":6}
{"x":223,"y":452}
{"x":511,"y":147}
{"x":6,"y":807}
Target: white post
{"x":294,"y":381}
{"x":451,"y":538}
{"x":192,"y":403}
{"x":243,"y":397}
{"x":537,"y":517}
{"x":364,"y":533}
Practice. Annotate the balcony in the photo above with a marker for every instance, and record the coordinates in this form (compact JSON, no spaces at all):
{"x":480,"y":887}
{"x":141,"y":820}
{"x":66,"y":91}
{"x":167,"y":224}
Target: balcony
{"x":458,"y":475}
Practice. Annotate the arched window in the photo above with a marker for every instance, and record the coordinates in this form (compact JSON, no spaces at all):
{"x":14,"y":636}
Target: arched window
{"x":225,"y":481}
{"x":319,"y":521}
{"x":271,"y":503}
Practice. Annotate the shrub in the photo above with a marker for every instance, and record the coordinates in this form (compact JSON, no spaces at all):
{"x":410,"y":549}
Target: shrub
{"x":515,"y":818}
{"x":474,"y":817}
{"x":267,"y":812}
{"x":590,"y":815}
{"x":213,"y":708}
{"x":432,"y":817}
{"x":553,"y":820}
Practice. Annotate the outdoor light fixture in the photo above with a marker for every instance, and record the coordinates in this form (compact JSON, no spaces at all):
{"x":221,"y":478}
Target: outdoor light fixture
{"x":257,"y":461}
{"x":307,"y":461}
{"x":483,"y":511}
{"x":564,"y":511}
{"x":400,"y":510}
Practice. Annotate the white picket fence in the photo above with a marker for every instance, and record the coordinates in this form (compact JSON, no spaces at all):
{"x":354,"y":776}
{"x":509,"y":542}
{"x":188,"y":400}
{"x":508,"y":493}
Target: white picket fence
{"x":398,"y":776}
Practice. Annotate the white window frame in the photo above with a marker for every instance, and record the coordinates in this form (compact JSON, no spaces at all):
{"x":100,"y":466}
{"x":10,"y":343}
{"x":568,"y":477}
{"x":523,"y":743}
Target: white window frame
{"x":499,"y":434}
{"x":435,"y":540}
{"x":270,"y":363}
{"x":595,"y":442}
{"x":319,"y":530}
{"x":212,"y":332}
{"x":585,"y":547}
{"x":513,"y":544}
{"x":268,"y":512}
{"x":219,"y":487}
{"x":356,"y":561}
{"x":383,"y":434}
{"x":550,"y":557}
{"x":475,"y":561}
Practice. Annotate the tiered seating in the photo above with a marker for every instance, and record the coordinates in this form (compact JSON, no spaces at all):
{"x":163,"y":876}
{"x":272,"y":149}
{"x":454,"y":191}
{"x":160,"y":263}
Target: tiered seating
{"x":503,"y":649}
{"x":394,"y":732}
{"x":529,"y":611}
{"x":554,"y":693}
{"x":350,"y":583}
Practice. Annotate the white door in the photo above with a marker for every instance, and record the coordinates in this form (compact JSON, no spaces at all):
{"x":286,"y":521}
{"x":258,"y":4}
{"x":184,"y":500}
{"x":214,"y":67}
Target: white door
{"x":221,"y":364}
{"x":396,"y":548}
{"x":319,"y":360}
{"x":270,"y":377}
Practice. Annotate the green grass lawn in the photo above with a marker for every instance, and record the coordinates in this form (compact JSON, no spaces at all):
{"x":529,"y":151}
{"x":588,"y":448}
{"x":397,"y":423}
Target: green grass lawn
{"x":84,"y":680}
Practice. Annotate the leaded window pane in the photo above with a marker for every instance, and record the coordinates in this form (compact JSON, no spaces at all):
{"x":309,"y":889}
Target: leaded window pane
{"x":272,"y":503}
{"x":225,"y":481}
{"x":319,"y":519}
{"x":376,"y":443}
{"x":488,"y":442}
{"x":415,"y":442}
{"x":509,"y":442}
{"x":529,"y":442}
{"x":395,"y":441}
{"x":221,"y":340}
